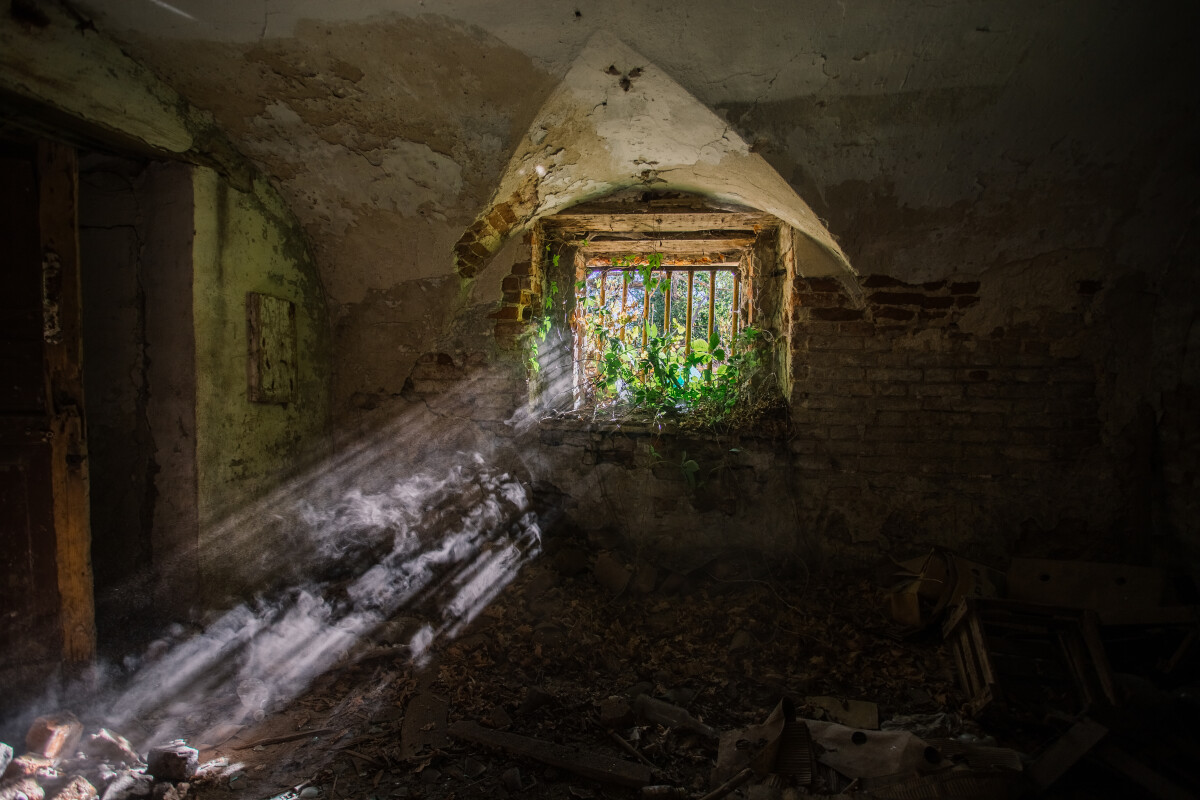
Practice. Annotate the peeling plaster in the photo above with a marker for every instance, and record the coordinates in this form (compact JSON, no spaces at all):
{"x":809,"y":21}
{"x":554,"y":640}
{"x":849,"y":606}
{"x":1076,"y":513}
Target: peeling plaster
{"x":617,"y":121}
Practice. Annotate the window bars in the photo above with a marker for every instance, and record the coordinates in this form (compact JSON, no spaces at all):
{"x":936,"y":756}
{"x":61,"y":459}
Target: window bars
{"x":677,"y":302}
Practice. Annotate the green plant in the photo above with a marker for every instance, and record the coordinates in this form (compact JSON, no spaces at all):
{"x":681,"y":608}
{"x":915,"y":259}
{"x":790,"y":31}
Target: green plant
{"x":664,"y":377}
{"x":544,"y":319}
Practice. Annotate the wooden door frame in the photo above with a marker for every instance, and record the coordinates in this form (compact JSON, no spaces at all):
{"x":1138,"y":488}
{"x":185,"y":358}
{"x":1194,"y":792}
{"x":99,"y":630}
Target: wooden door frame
{"x":58,"y":224}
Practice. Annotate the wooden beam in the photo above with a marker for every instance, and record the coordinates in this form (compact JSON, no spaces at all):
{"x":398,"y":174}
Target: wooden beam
{"x":649,"y":222}
{"x":594,"y":766}
{"x":63,"y":348}
{"x":680,"y":262}
{"x":666,"y":246}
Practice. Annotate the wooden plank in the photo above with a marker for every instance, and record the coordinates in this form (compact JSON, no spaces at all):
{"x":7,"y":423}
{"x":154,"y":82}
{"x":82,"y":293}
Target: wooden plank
{"x":660,"y":221}
{"x":675,"y":263}
{"x":63,"y":348}
{"x":1069,"y":748}
{"x":1114,"y":589}
{"x":667,"y":246}
{"x":424,"y":728}
{"x":587,"y":764}
{"x":1154,"y":782}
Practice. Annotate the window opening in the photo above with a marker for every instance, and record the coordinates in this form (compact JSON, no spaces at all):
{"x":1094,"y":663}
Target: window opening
{"x":635,"y":315}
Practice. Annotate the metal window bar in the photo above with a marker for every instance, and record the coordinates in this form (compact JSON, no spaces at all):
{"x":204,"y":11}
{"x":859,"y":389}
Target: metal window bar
{"x":623,"y":321}
{"x":624,"y":301}
{"x":712,"y":301}
{"x":667,"y":307}
{"x":687,"y":330}
{"x":737,"y":281}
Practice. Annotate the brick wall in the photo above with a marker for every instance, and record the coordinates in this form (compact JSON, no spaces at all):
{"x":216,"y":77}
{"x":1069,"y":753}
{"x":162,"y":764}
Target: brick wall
{"x":910,"y":427}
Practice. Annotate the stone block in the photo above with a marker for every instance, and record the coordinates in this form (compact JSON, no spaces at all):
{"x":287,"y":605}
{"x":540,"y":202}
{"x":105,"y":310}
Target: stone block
{"x":615,"y":712}
{"x":611,"y":573}
{"x":77,"y":788}
{"x":54,"y":736}
{"x":29,"y":765}
{"x":104,"y":745}
{"x":21,"y":789}
{"x":174,"y":761}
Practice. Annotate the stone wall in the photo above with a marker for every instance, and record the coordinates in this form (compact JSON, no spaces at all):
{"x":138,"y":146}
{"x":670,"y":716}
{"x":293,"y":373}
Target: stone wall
{"x":911,"y":420}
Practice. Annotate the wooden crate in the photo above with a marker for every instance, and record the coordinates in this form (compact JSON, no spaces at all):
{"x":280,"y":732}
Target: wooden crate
{"x":1030,"y":656}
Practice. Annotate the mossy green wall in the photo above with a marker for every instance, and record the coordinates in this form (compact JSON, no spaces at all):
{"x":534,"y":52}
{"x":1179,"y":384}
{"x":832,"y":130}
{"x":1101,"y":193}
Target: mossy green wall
{"x":247,"y":242}
{"x":80,"y":86}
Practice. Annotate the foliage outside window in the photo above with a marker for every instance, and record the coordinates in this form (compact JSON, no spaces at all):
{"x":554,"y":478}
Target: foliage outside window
{"x":663,"y":339}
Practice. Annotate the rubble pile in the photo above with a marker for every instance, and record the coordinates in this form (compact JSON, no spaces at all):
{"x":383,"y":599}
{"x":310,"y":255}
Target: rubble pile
{"x":594,"y":675}
{"x":61,"y":763}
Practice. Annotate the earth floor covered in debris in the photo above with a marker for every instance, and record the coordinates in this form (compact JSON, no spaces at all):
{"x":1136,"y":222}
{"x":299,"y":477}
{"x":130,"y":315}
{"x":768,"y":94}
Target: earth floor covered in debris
{"x":545,"y":655}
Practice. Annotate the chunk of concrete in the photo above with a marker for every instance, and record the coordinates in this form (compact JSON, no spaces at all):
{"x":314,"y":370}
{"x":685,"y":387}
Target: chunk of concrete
{"x":611,"y":573}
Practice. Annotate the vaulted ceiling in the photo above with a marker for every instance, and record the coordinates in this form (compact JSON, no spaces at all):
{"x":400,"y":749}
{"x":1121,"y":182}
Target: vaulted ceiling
{"x":931,"y":138}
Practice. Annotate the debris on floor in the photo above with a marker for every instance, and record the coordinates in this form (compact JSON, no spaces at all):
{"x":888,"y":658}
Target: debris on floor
{"x":565,"y":686}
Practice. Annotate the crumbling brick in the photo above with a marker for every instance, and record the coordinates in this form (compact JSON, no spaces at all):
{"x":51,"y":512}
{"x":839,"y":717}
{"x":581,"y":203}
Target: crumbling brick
{"x":54,"y":736}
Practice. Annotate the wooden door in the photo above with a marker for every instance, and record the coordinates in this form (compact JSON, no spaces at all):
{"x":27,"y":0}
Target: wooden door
{"x":46,"y":603}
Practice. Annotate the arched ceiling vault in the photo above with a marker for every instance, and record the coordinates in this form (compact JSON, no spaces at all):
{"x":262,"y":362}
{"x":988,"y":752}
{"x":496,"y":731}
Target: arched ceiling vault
{"x":617,"y":121}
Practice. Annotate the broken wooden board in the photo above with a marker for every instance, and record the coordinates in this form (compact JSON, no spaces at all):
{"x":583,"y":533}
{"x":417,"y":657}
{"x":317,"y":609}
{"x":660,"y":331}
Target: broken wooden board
{"x":424,"y":728}
{"x":1069,"y":748}
{"x":586,"y":764}
{"x":1111,"y":590}
{"x":854,"y":713}
{"x":672,"y":716}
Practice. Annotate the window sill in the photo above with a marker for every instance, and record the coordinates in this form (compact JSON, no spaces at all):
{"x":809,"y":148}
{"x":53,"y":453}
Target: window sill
{"x":770,"y":423}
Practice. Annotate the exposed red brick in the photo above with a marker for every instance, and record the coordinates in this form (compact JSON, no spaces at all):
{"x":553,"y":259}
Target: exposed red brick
{"x":498,"y":222}
{"x":835,"y":314}
{"x":506,"y":213}
{"x":54,"y":736}
{"x":883,"y":281}
{"x":511,"y":283}
{"x":506,"y":312}
{"x":479,"y":251}
{"x":828,"y":285}
{"x":936,"y":302}
{"x":818,"y":300}
{"x":508,"y":332}
{"x":896,"y":298}
{"x":522,"y":268}
{"x":894,"y":313}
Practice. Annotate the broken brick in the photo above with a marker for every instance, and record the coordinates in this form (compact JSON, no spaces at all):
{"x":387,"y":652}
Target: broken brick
{"x":54,"y":736}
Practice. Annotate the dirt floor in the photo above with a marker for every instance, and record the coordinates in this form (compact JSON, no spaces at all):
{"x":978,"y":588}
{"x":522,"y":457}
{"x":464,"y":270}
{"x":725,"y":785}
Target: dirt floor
{"x":546,"y":658}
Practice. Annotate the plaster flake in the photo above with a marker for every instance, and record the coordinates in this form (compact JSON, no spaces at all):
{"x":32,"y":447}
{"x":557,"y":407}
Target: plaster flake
{"x":617,"y":121}
{"x":338,"y":182}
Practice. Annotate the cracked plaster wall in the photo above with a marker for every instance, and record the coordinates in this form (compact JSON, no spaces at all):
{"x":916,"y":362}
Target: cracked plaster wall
{"x":1031,"y":146}
{"x":61,"y":78}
